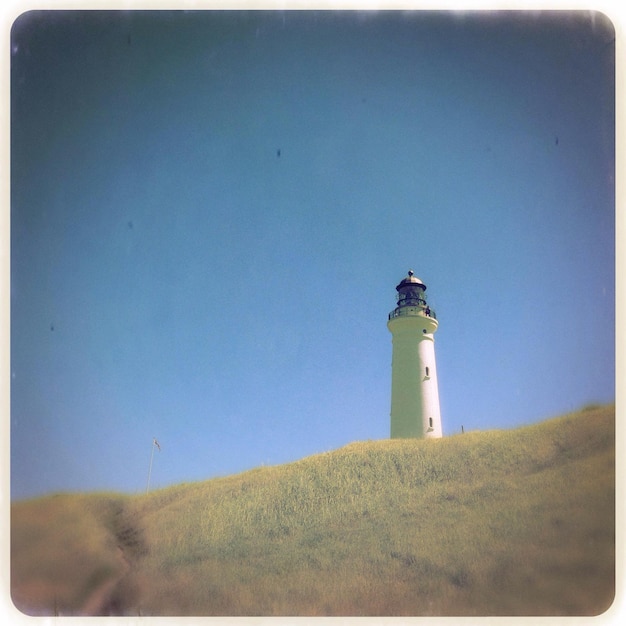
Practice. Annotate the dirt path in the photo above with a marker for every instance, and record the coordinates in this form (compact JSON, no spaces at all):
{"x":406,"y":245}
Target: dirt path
{"x":100,"y":600}
{"x":119,"y":593}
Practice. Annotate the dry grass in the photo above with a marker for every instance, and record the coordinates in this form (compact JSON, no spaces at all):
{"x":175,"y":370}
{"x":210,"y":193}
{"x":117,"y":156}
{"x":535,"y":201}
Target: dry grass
{"x":515,"y":522}
{"x":61,"y":551}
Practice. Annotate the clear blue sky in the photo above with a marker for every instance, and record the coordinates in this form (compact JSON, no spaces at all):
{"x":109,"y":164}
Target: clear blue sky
{"x":210,"y":212}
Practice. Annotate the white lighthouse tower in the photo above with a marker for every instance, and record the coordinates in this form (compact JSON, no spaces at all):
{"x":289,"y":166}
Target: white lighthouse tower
{"x":414,"y":393}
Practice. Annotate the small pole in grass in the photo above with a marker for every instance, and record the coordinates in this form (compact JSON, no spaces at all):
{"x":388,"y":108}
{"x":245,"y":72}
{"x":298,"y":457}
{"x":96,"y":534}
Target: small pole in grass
{"x":154,"y":443}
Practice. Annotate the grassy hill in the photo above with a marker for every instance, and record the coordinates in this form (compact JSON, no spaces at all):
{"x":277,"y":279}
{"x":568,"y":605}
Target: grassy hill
{"x":518,"y":522}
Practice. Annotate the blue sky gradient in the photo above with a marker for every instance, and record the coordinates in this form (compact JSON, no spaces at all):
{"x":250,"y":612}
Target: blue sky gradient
{"x":210,"y":212}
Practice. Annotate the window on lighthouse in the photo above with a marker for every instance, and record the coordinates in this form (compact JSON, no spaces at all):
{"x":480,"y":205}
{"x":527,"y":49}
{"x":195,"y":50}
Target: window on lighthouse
{"x":427,"y":372}
{"x":430,"y":422}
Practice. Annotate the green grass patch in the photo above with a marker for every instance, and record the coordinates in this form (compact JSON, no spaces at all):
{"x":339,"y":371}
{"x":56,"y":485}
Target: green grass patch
{"x":518,"y":522}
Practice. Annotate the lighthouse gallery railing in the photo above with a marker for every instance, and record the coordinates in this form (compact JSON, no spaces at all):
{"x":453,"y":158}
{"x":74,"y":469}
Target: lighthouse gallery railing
{"x":412,"y":310}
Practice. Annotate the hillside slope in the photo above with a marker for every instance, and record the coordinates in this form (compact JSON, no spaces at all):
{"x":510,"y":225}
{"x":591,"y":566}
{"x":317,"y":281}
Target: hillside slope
{"x":518,"y":522}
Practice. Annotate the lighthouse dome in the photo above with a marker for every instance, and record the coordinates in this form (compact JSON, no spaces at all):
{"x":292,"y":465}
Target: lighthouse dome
{"x":411,"y":279}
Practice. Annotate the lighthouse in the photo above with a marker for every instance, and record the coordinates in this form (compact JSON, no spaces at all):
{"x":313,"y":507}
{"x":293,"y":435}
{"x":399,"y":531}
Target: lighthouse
{"x":414,"y":393}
